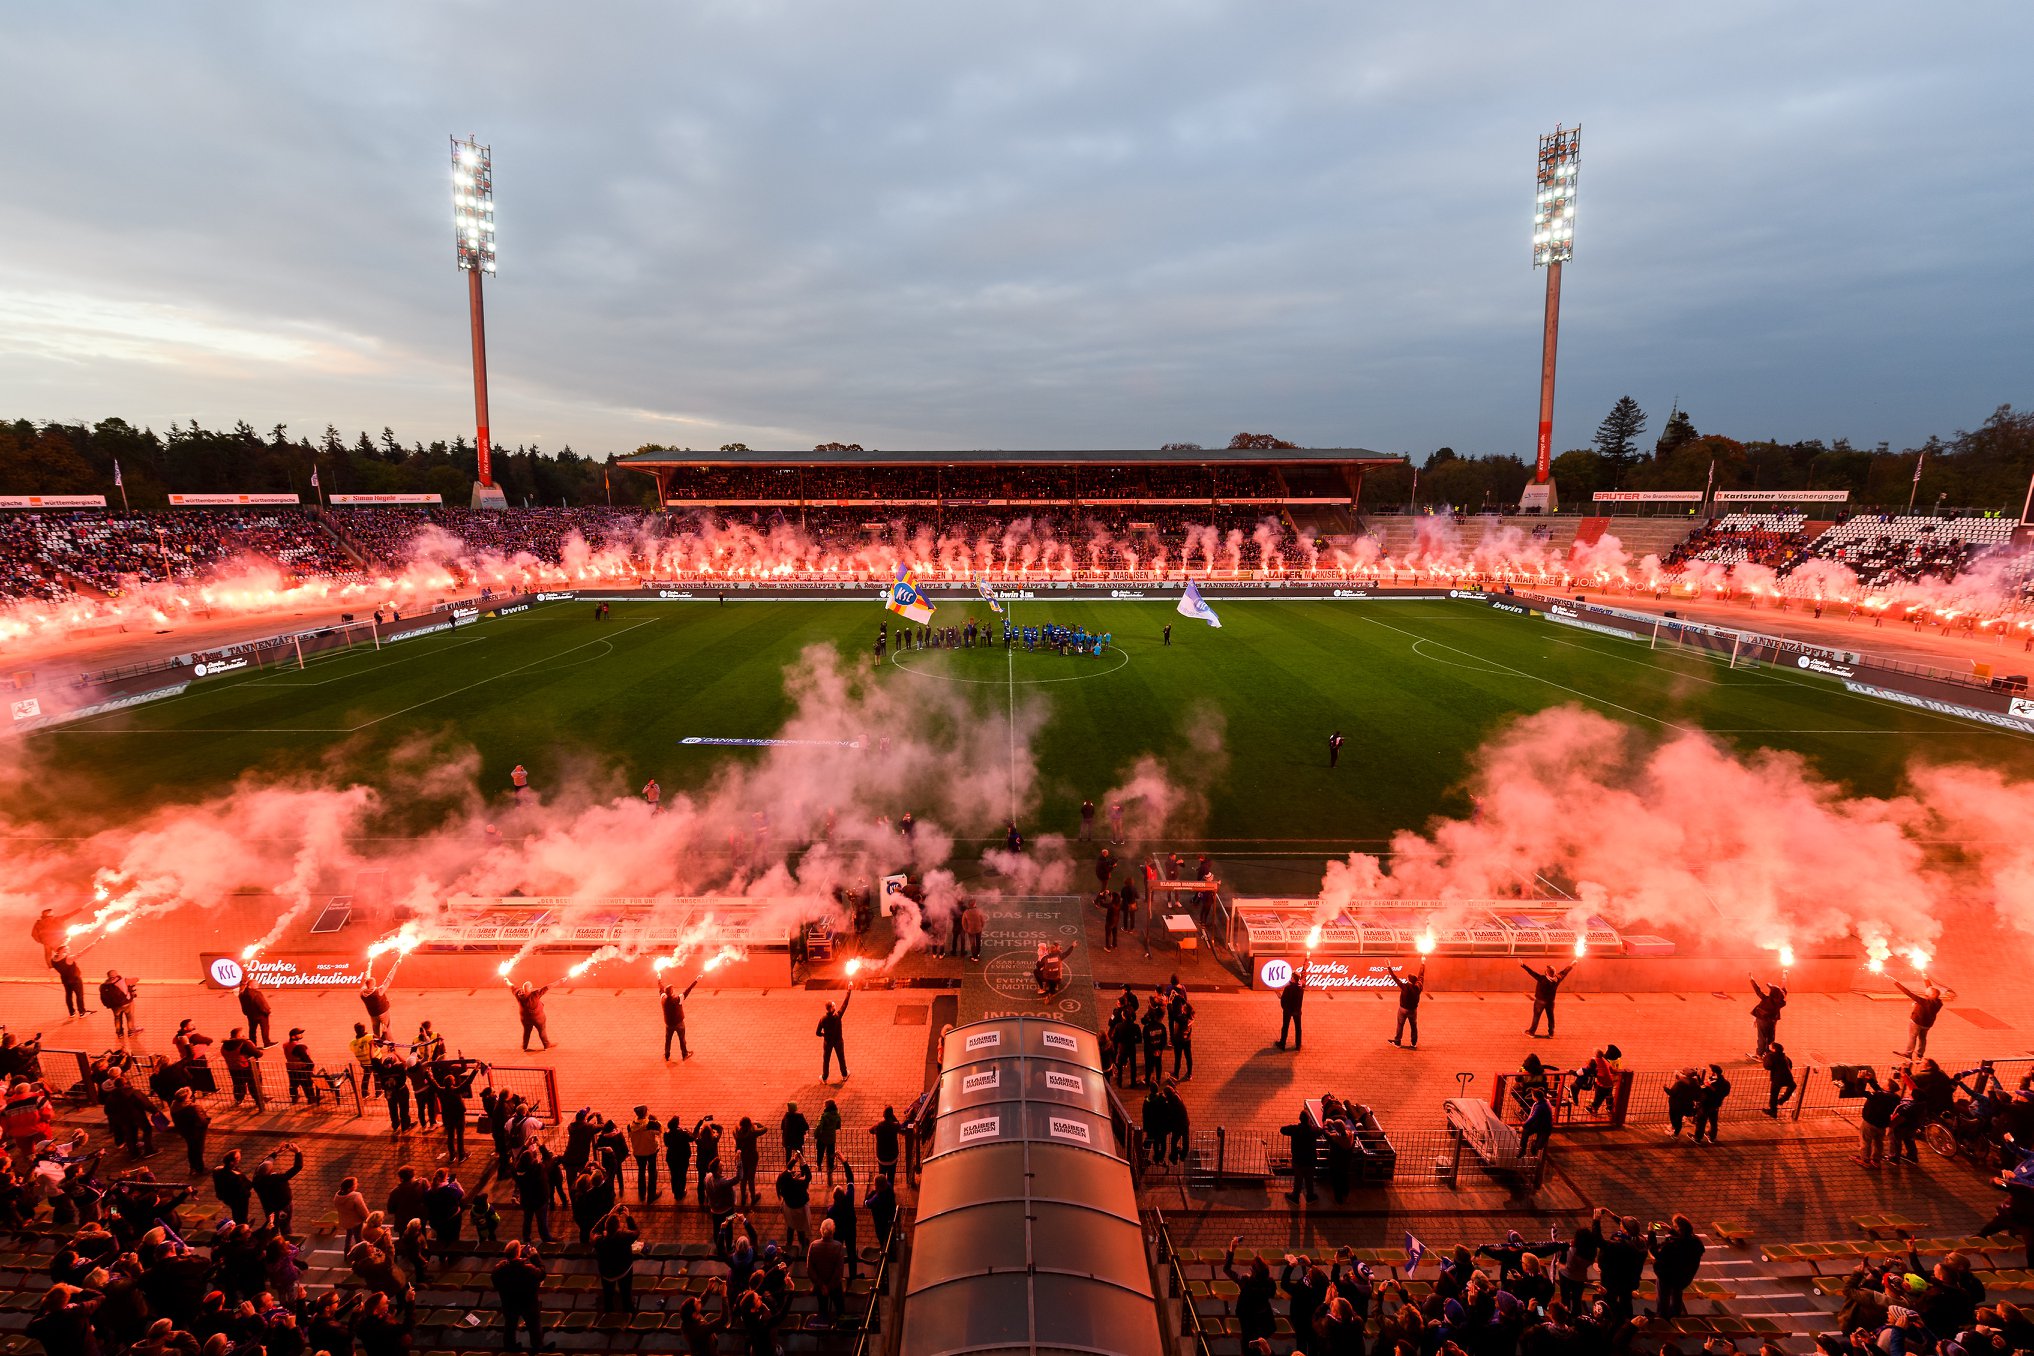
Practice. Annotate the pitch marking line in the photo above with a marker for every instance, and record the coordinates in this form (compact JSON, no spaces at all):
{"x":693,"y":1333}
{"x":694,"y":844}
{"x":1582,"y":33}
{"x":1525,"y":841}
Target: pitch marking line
{"x":1473,"y":668}
{"x":366,"y":724}
{"x":342,"y":677}
{"x":1012,"y":680}
{"x":1530,"y":677}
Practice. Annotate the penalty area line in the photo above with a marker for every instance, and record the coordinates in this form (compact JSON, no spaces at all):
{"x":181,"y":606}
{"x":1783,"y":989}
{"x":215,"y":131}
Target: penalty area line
{"x":1530,"y":677}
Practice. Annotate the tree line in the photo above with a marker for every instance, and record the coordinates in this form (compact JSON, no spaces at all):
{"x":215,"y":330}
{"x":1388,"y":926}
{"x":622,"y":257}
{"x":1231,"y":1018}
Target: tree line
{"x":1985,"y":467}
{"x":190,"y":459}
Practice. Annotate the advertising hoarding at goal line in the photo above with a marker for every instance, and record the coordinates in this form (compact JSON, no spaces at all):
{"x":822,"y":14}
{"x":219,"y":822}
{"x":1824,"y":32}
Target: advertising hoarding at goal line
{"x":1647,"y":496}
{"x":229,"y":500}
{"x":51,"y":501}
{"x":386,"y":499}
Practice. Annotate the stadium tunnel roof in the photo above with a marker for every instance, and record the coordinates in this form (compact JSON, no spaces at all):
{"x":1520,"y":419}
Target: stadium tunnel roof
{"x":1027,"y":1236}
{"x":670,"y":459}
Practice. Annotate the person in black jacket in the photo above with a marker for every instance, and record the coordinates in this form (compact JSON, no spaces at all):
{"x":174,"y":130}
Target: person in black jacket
{"x":1156,"y":1034}
{"x":1709,"y":1106}
{"x":1779,"y":1067}
{"x":1766,"y":1014}
{"x":453,"y":1082}
{"x":72,"y":976}
{"x":301,"y":1068}
{"x":1411,"y":988}
{"x":189,"y":1120}
{"x":254,"y":1004}
{"x":1256,"y":1292}
{"x":233,"y":1187}
{"x":677,"y":1155}
{"x":833,"y":1044}
{"x":530,"y":1008}
{"x":1546,"y":987}
{"x":1181,"y":1014}
{"x":519,"y":1281}
{"x":1676,"y":1258}
{"x":1927,"y":1007}
{"x":881,"y":1203}
{"x":672,"y":1001}
{"x":1306,"y":1288}
{"x":1875,"y":1115}
{"x":1290,"y":998}
{"x":272,"y":1187}
{"x":1621,"y":1265}
{"x":1305,"y":1136}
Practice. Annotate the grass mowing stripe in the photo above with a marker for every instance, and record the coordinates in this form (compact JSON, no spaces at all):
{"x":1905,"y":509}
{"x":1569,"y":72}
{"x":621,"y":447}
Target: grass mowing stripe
{"x":1279,"y":675}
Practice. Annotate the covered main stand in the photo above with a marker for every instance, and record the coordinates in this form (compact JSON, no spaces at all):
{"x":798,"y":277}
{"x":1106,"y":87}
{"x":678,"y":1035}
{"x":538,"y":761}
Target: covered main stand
{"x":1027,"y":1236}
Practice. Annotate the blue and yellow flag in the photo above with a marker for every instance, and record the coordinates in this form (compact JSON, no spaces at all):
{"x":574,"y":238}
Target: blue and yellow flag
{"x":988,"y":594}
{"x":906,"y":601}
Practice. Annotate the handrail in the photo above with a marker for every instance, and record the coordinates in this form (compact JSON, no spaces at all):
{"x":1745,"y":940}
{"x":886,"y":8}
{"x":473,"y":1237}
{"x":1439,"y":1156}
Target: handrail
{"x":877,"y":1283}
{"x":1168,"y":1257}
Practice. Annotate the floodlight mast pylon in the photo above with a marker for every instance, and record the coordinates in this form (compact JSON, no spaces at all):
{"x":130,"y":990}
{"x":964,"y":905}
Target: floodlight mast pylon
{"x":473,"y":236}
{"x":1560,"y":164}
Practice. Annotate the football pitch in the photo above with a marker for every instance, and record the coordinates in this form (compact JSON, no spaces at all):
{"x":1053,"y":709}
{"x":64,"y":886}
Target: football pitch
{"x":1416,"y":688}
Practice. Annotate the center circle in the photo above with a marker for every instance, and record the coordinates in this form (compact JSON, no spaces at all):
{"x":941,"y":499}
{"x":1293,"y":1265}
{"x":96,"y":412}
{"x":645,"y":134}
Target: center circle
{"x":1119,"y":655}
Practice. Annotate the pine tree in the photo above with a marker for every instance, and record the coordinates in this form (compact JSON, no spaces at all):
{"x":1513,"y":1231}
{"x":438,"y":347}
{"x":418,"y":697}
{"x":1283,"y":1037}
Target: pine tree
{"x":1617,"y":436}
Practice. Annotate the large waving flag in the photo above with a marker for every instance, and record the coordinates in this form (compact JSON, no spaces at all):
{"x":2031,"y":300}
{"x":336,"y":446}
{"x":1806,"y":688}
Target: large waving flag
{"x":1191,"y":604}
{"x":988,"y":594}
{"x":906,"y":601}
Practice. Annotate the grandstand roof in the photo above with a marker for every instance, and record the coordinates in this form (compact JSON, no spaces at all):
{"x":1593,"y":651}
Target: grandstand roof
{"x":665,"y":458}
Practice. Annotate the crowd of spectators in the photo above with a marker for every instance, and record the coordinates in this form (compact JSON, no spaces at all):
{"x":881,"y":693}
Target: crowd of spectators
{"x":219,"y":1260}
{"x":1775,"y":540}
{"x":1879,"y":548}
{"x":51,"y":555}
{"x":1888,"y":548}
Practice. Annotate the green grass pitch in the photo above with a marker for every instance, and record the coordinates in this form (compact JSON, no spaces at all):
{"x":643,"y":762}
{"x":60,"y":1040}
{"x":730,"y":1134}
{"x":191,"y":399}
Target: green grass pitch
{"x":1414,"y":686}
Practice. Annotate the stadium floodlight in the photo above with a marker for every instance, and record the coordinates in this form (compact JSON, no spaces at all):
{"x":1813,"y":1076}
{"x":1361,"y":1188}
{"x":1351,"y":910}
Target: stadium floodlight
{"x":1560,"y":170}
{"x":1554,"y":205}
{"x":473,"y":245}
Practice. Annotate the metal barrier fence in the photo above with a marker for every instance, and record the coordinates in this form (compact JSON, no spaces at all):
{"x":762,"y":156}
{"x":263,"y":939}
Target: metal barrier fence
{"x":336,"y":1092}
{"x":1820,"y":1090}
{"x":1578,"y":1104}
{"x":63,"y":1074}
{"x":535,"y":1085}
{"x":1242,"y":1155}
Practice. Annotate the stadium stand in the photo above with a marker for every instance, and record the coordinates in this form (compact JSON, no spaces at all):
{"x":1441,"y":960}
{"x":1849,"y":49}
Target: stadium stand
{"x":1883,"y":548}
{"x":54,"y":555}
{"x":1776,"y":540}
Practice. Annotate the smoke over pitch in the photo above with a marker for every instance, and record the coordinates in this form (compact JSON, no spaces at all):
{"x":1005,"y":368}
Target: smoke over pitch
{"x":1685,"y":834}
{"x":789,"y":826}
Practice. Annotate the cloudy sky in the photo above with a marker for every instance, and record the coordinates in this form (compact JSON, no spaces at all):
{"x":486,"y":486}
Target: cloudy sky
{"x":947,"y":225}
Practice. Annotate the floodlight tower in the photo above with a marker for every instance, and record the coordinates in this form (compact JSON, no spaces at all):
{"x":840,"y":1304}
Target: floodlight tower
{"x":1560,"y":166}
{"x":473,"y":226}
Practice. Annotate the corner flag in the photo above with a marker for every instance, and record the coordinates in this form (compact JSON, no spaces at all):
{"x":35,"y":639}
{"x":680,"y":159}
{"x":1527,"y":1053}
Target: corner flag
{"x":906,"y":601}
{"x":1191,"y":604}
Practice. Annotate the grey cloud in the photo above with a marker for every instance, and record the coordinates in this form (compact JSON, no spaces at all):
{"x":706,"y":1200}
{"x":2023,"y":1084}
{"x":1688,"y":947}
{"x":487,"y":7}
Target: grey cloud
{"x":1040,"y":225}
